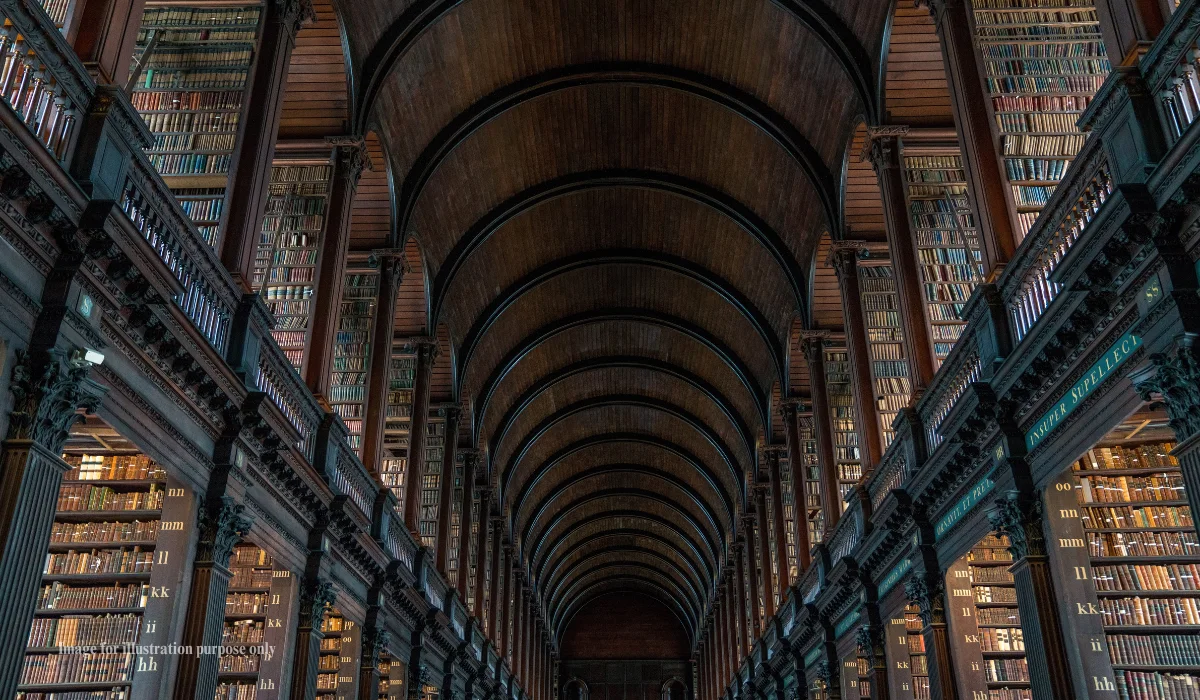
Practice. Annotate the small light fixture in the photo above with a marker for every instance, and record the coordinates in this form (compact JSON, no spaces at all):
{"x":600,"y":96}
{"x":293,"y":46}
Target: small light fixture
{"x":88,"y":356}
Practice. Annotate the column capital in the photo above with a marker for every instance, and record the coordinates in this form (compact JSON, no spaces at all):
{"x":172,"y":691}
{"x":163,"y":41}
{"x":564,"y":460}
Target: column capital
{"x":844,"y":255}
{"x":46,"y":395}
{"x":1020,"y":520}
{"x":351,"y":155}
{"x":882,"y":146}
{"x":812,"y":342}
{"x":315,"y":594}
{"x":293,"y":14}
{"x":450,"y":412}
{"x":926,"y":592}
{"x":1175,"y":376}
{"x":792,"y":406}
{"x":220,"y":525}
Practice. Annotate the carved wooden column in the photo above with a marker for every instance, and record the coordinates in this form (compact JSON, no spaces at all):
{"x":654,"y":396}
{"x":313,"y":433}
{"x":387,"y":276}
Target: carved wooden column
{"x":926,"y":589}
{"x":987,"y":186}
{"x":414,"y":472}
{"x":774,"y":487}
{"x":764,"y":541}
{"x":391,"y":271}
{"x":505,"y":602}
{"x":103,"y":34}
{"x":446,"y":493}
{"x":315,"y":595}
{"x":375,"y":641}
{"x":884,"y":148}
{"x":754,"y":629}
{"x":843,"y":257}
{"x":254,"y":152}
{"x":46,"y":393}
{"x":349,"y":159}
{"x":418,"y":674}
{"x":465,"y":522}
{"x":1020,"y":520}
{"x":813,"y":345}
{"x":518,"y":616}
{"x":871,"y":646}
{"x":481,"y":558}
{"x":497,"y":571}
{"x":220,"y":525}
{"x":739,"y":598}
{"x":790,"y":409}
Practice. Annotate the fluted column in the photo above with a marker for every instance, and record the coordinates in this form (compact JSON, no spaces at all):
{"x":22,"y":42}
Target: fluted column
{"x":871,"y":646}
{"x":391,"y":271}
{"x":885,"y":151}
{"x":789,"y":410}
{"x":844,"y":259}
{"x":315,"y":595}
{"x":927,"y":591}
{"x":254,"y":151}
{"x":465,"y":522}
{"x":446,"y":493}
{"x":813,"y":345}
{"x":349,"y":159}
{"x":741,"y":595}
{"x":779,"y":525}
{"x":987,"y":186}
{"x":220,"y":525}
{"x":768,"y":577}
{"x":426,"y":349}
{"x":497,"y":571}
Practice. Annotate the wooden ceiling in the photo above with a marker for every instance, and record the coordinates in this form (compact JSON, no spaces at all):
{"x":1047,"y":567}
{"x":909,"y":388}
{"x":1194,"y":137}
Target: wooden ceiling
{"x":616,"y":215}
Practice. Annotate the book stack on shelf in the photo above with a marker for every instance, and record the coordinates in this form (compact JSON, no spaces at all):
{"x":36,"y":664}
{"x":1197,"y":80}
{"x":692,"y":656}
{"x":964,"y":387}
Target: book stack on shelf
{"x":351,"y":351}
{"x":401,"y":375}
{"x":435,"y":445}
{"x":787,"y":501}
{"x":329,"y":663}
{"x":1145,"y":557}
{"x":246,"y":607}
{"x":946,"y":239}
{"x":285,"y":262}
{"x":1001,"y":639}
{"x":96,"y":581}
{"x":1043,"y":61}
{"x":918,"y":666}
{"x":885,"y":342}
{"x":188,"y":78}
{"x":845,"y":431}
{"x":472,"y":553}
{"x":811,"y":472}
{"x":391,"y":677}
{"x":456,"y":498}
{"x":864,"y":676}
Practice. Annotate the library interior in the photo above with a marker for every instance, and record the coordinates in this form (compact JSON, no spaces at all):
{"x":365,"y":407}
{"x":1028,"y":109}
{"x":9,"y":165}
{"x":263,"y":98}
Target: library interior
{"x":599,"y":349}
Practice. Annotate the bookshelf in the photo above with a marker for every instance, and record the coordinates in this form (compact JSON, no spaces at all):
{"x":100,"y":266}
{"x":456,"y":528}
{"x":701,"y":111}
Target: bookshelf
{"x":246,"y":610}
{"x":337,"y":663}
{"x":1140,"y":544}
{"x":188,"y":78}
{"x":435,"y":447}
{"x":918,"y":666}
{"x":788,"y":502}
{"x":947,"y":241}
{"x":845,"y":430}
{"x":351,"y":351}
{"x":986,"y":623}
{"x":1043,"y":61}
{"x":473,"y":553}
{"x":401,"y":375}
{"x":885,"y":343}
{"x":811,"y":471}
{"x":285,"y":260}
{"x":908,"y":669}
{"x":863,"y":665}
{"x":104,"y":560}
{"x":456,"y":498}
{"x":391,"y":678}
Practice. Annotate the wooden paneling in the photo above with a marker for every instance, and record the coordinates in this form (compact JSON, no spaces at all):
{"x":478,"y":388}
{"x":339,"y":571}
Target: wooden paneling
{"x":917,"y":93}
{"x":647,"y":631}
{"x":371,"y":213}
{"x":411,"y":300}
{"x":864,"y":208}
{"x":315,"y":102}
{"x":827,"y":299}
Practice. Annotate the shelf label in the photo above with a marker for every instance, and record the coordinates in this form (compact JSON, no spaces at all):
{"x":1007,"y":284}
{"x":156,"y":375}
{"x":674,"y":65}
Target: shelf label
{"x":1125,"y":346}
{"x":964,"y":506}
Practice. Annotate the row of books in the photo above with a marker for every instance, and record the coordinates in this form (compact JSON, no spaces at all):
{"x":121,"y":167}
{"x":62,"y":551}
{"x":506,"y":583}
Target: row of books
{"x":1142,"y":685}
{"x":990,"y":574}
{"x":296,"y":216}
{"x":343,"y":393}
{"x":87,"y":467}
{"x":295,"y":291}
{"x":298,"y":252}
{"x":1006,"y":670}
{"x":203,"y":209}
{"x":224,"y":105}
{"x":192,"y":79}
{"x":190,"y":164}
{"x":1034,"y":122}
{"x":1001,"y":639}
{"x":246,"y":603}
{"x":250,"y":577}
{"x":1154,"y":650}
{"x":1148,"y":456}
{"x":79,"y":631}
{"x":1061,"y":145}
{"x":99,"y":561}
{"x":1142,"y":544}
{"x":1072,"y":49}
{"x":1150,"y":611}
{"x":196,"y":57}
{"x":941,"y":312}
{"x":135,"y":531}
{"x":1167,"y":486}
{"x":97,"y":667}
{"x":239,"y":663}
{"x":997,"y":616}
{"x":1000,"y":81}
{"x":200,"y":16}
{"x":1040,"y":103}
{"x":235,"y":691}
{"x":1071,"y":68}
{"x":203,"y":35}
{"x":1146,"y":577}
{"x":192,"y":143}
{"x":1027,"y":169}
{"x":60,"y":596}
{"x":1032,"y":195}
{"x":995,"y":594}
{"x":1122,"y":517}
{"x":290,"y":274}
{"x":84,"y":497}
{"x":243,"y":632}
{"x":948,"y":292}
{"x":1009,"y":694}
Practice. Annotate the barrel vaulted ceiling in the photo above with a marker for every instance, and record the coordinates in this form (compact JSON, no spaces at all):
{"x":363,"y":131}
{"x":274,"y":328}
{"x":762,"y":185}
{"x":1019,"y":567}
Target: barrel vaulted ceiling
{"x":617,"y":206}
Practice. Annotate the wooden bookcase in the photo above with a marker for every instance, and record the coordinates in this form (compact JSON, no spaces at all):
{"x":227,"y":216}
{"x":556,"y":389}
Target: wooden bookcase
{"x":117,"y":522}
{"x":846,"y":452}
{"x":285,"y":260}
{"x":456,"y":498}
{"x":352,"y":350}
{"x":810,"y":470}
{"x":337,"y":664}
{"x":908,"y":670}
{"x":788,"y":502}
{"x":431,"y":485}
{"x":885,"y":343}
{"x":946,"y":240}
{"x":1122,"y":507}
{"x":986,"y":625}
{"x":1043,"y":61}
{"x":189,"y":76}
{"x":391,"y":677}
{"x":401,"y":375}
{"x":246,"y":605}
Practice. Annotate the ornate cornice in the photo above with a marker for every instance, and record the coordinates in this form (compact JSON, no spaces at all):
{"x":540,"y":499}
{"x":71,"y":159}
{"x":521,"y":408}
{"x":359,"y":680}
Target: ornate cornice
{"x":1176,"y":377}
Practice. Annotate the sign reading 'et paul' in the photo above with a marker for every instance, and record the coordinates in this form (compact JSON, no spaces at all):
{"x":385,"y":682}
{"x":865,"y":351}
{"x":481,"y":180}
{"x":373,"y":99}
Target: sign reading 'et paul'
{"x":1105,"y":366}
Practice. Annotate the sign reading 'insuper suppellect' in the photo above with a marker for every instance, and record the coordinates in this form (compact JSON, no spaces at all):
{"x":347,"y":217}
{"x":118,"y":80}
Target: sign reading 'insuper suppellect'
{"x":1105,"y":366}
